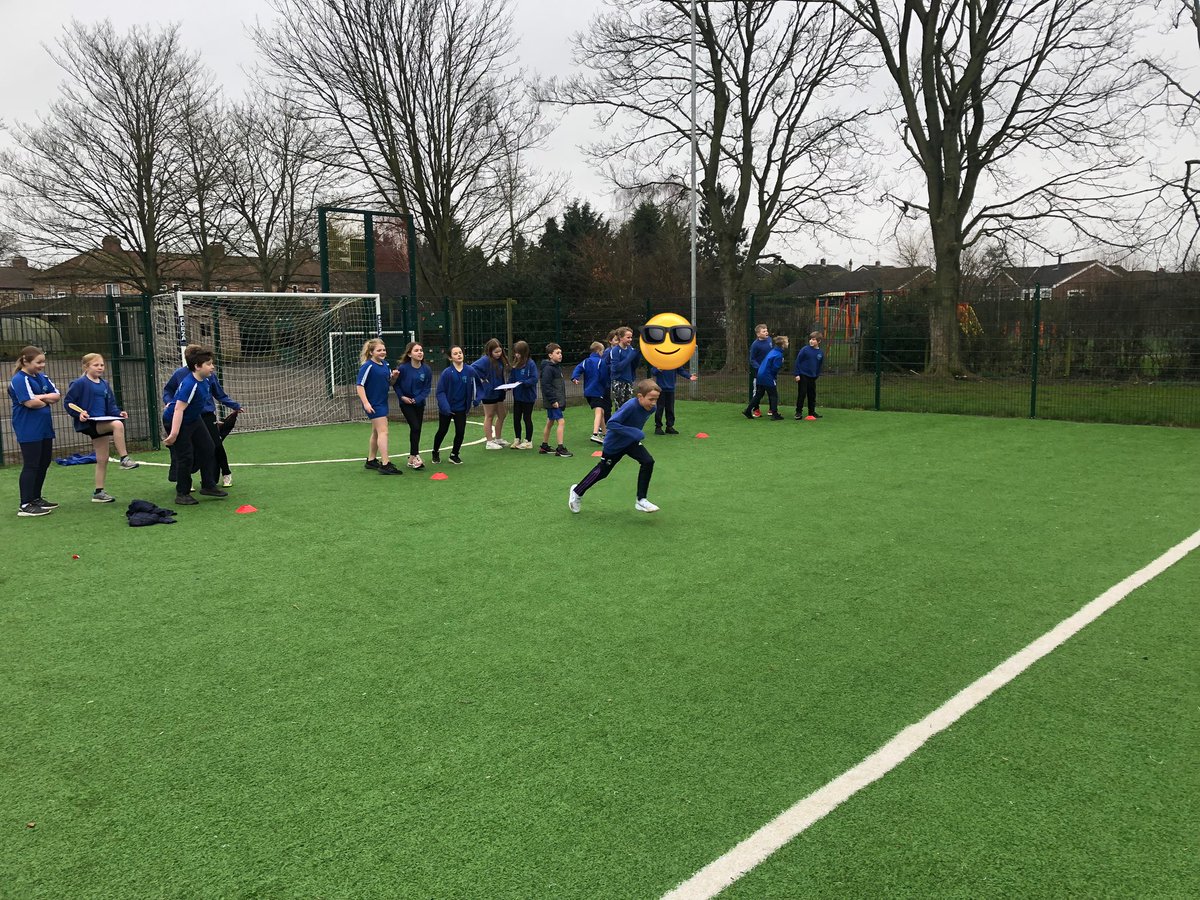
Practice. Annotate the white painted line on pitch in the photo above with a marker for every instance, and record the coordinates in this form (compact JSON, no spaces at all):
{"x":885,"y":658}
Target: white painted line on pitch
{"x":724,"y":871}
{"x":308,"y":462}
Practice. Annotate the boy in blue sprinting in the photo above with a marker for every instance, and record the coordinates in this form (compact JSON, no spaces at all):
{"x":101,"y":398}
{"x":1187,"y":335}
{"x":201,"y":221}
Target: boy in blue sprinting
{"x":767,"y":374}
{"x":624,"y":438}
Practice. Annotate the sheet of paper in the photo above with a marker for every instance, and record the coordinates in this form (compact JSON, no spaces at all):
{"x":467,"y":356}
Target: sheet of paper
{"x":104,"y":418}
{"x":507,"y":387}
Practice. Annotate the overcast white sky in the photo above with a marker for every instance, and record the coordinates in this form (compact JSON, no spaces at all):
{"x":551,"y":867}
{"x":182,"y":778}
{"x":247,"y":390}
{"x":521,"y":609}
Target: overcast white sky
{"x":217,"y":29}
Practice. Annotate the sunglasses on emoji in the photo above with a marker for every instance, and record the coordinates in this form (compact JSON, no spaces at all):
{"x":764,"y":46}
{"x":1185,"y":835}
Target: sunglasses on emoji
{"x":657,"y":334}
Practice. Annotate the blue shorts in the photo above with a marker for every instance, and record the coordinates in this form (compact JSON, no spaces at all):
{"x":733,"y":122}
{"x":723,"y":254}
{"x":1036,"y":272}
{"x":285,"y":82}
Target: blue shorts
{"x":380,"y":413}
{"x":554,"y":415}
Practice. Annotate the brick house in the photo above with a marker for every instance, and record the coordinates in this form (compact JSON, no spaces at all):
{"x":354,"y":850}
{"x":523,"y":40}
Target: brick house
{"x":16,"y":281}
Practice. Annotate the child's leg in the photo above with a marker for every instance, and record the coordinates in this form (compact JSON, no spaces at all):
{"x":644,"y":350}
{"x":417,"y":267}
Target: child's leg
{"x":667,"y":399}
{"x":773,"y":398}
{"x":31,"y":471}
{"x":443,"y":426}
{"x":810,"y":389}
{"x":185,"y":454}
{"x":597,"y":420}
{"x":44,"y":461}
{"x":489,"y":415}
{"x":562,"y":425}
{"x":646,"y":461}
{"x":100,"y":448}
{"x":546,"y":432}
{"x":460,"y":428}
{"x":598,"y":473}
{"x":529,"y":422}
{"x":501,"y":415}
{"x":205,"y":455}
{"x":115,"y":428}
{"x":379,"y":429}
{"x":220,"y":460}
{"x":373,"y":443}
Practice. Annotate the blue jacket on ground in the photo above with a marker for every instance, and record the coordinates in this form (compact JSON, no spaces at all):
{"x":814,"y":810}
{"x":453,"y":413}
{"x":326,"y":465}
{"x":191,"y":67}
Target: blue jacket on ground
{"x":594,"y":373}
{"x":808,"y":361}
{"x":415,"y":383}
{"x":758,"y":352}
{"x":666,"y":378}
{"x":455,"y":390}
{"x":31,"y":425}
{"x":770,"y":367}
{"x":625,"y":427}
{"x":527,"y":375}
{"x":94,"y":396}
{"x":621,"y":363}
{"x":216,"y":392}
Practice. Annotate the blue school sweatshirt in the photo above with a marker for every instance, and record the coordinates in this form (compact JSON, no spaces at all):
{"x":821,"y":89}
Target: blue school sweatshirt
{"x":216,"y":392}
{"x":415,"y":383}
{"x":625,"y":427}
{"x":490,"y":373}
{"x":758,"y":352}
{"x":95,"y":397}
{"x":455,"y":390}
{"x":808,"y":361}
{"x":621,"y":363}
{"x":527,"y":375}
{"x":594,"y":373}
{"x":770,"y":367}
{"x":666,"y":378}
{"x":196,"y":393}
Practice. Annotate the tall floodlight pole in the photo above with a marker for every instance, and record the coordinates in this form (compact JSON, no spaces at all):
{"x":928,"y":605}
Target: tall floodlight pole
{"x":695,"y":154}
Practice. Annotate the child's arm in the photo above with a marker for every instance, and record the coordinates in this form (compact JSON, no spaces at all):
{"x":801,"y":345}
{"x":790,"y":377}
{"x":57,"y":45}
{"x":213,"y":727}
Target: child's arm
{"x":220,"y":396}
{"x":176,"y":422}
{"x":577,"y":373}
{"x":74,"y":408}
{"x":362,"y":398}
{"x":173,"y":384}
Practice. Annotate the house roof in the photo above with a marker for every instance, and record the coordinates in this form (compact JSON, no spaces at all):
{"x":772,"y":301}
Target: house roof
{"x":814,"y":278}
{"x":18,"y":276}
{"x":1053,"y":276}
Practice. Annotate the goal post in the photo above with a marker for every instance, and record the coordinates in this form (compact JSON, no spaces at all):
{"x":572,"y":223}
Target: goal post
{"x":272,"y":350}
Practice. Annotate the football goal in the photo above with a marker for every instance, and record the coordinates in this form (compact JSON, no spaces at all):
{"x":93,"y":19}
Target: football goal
{"x":289,"y":359}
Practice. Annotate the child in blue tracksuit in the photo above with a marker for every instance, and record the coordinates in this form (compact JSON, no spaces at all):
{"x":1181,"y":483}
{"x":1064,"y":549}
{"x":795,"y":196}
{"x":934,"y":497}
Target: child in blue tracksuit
{"x":622,"y":361}
{"x":455,"y":395}
{"x":525,"y":374}
{"x":758,"y":352}
{"x":767,"y":373}
{"x":594,"y":373}
{"x":32,"y":393}
{"x":413,"y":386}
{"x":665,"y":378}
{"x":807,"y":370}
{"x":188,"y":437}
{"x":624,"y":438}
{"x":88,"y":397}
{"x":209,"y":413}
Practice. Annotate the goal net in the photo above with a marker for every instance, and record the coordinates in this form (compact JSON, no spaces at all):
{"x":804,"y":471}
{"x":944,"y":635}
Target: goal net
{"x":290,"y":359}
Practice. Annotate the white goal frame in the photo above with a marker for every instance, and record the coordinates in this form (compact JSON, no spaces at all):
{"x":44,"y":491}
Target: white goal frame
{"x":405,"y":336}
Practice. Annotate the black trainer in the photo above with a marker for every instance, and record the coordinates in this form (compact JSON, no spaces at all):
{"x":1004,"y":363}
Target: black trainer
{"x":658,"y":429}
{"x":372,"y":464}
{"x":31,"y":509}
{"x":545,"y":448}
{"x":456,"y":459}
{"x":45,"y":504}
{"x":816,"y":415}
{"x":798,"y":416}
{"x":186,"y":500}
{"x":389,"y":469}
{"x":562,"y":451}
{"x":214,"y":492}
{"x":437,"y":456}
{"x":776,"y":417}
{"x":747,"y":414}
{"x":671,"y":430}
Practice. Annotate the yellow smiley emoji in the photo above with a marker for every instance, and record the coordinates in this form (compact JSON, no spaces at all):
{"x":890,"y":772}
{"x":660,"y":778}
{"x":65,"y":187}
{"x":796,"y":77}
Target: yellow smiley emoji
{"x":667,"y":341}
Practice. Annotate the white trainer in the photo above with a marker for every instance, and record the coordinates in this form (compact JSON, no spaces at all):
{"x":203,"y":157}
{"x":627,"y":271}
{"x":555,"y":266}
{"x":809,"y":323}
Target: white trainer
{"x":492,"y":445}
{"x":502,"y":442}
{"x":227,"y":480}
{"x":645,"y":506}
{"x":573,"y":499}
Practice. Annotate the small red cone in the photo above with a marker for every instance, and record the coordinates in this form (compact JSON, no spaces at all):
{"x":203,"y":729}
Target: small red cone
{"x":439,"y":476}
{"x":242,"y":510}
{"x":598,"y":453}
{"x":74,"y":556}
{"x":701,"y":434}
{"x":810,"y":418}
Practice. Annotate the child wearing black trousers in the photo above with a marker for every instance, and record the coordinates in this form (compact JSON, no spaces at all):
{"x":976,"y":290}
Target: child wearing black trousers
{"x":32,"y":393}
{"x":624,"y":438}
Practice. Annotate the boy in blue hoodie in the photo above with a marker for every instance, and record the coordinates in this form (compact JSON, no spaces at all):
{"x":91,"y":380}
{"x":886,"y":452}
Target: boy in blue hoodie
{"x":594,"y":372}
{"x":624,"y":438}
{"x":758,"y":352}
{"x":767,"y":374}
{"x":807,"y":370}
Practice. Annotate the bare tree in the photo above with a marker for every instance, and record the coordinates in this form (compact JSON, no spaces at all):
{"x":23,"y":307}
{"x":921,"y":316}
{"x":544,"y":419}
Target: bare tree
{"x":774,"y":147}
{"x":276,"y":177}
{"x":107,"y":159}
{"x":207,"y":222}
{"x":425,"y":107}
{"x":1017,"y":113}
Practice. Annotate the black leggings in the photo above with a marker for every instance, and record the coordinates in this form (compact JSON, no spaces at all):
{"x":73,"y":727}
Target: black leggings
{"x":665,"y":407}
{"x":37,"y":456}
{"x":807,"y":390}
{"x":414,"y":415}
{"x":606,"y":464}
{"x":523,"y":412}
{"x":460,"y":423}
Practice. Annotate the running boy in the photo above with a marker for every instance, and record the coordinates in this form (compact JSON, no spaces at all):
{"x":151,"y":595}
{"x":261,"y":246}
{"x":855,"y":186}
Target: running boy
{"x":624,"y":438}
{"x":767,"y":373}
{"x":554,"y":398}
{"x":807,"y":370}
{"x":758,"y":352}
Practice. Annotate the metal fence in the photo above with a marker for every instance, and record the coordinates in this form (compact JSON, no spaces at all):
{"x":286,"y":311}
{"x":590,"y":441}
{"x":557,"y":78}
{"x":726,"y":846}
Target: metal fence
{"x":1127,"y":352}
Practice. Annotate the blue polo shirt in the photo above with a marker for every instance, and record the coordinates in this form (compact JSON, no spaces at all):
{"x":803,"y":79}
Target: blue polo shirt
{"x":31,"y":424}
{"x":196,"y":393}
{"x":375,"y":379}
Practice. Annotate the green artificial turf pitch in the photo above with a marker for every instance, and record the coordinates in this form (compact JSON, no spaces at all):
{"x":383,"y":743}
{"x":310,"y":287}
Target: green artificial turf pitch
{"x":400,"y":687}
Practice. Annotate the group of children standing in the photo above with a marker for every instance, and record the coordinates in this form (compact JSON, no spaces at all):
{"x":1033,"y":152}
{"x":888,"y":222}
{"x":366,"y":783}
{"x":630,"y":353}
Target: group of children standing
{"x":766,"y":359}
{"x":92,"y":407}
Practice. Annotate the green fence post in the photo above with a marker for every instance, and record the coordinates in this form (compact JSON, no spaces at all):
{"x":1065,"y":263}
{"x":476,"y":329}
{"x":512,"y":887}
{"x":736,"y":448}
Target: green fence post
{"x":1033,"y":370}
{"x":152,"y":404}
{"x":878,"y":348}
{"x":114,"y":346}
